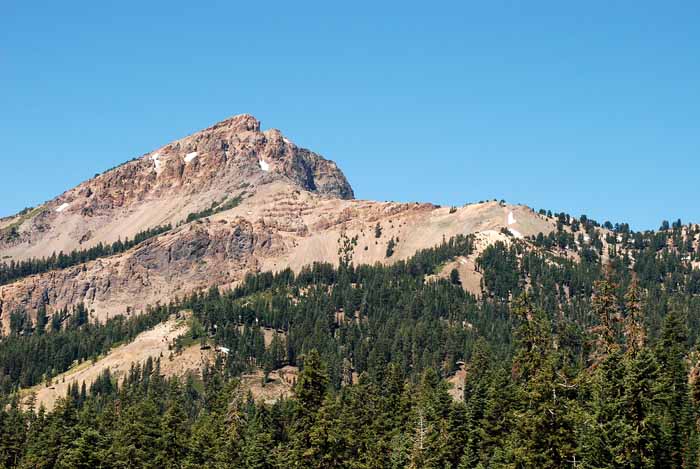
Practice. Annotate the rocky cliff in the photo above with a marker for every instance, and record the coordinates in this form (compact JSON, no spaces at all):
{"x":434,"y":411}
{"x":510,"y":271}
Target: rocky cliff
{"x":295,"y":208}
{"x":230,"y":159}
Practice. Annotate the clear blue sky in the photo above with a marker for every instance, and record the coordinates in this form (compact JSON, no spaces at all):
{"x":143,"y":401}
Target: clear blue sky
{"x":587,"y":107}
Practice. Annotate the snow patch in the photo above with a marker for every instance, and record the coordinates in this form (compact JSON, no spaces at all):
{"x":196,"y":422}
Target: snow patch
{"x":190,"y":156}
{"x":264,"y":166}
{"x":157,"y":164}
{"x":62,"y":207}
{"x":286,"y":140}
{"x":516,"y":233}
{"x":511,"y":218}
{"x":224,"y":350}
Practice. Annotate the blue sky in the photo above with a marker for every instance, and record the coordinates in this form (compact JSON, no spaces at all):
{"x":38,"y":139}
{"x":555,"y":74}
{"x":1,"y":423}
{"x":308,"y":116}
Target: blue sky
{"x":586,"y":107}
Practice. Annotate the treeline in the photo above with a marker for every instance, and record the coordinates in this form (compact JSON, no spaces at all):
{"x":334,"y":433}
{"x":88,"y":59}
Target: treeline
{"x":584,"y":232}
{"x":564,"y":287}
{"x":15,"y":270}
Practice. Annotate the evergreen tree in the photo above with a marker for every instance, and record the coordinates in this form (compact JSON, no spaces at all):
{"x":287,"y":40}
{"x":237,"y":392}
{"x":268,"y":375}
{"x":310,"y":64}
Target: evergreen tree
{"x":673,"y":389}
{"x":174,"y":432}
{"x":543,"y":436}
{"x":310,"y":392}
{"x":137,"y":437}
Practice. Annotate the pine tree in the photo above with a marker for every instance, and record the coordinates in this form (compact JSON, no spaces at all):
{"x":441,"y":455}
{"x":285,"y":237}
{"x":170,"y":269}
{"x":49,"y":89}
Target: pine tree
{"x":673,"y":389}
{"x":310,"y":391}
{"x":257,"y":445}
{"x":543,"y":436}
{"x":41,"y":320}
{"x":207,"y":445}
{"x":431,"y":443}
{"x":174,"y":433}
{"x":12,"y":436}
{"x":606,"y":309}
{"x":84,"y":453}
{"x":454,"y":277}
{"x":327,"y":445}
{"x":136,"y":440}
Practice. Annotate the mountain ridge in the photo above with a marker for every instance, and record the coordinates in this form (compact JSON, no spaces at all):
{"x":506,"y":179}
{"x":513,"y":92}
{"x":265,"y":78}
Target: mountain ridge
{"x":291,"y":208}
{"x":163,"y":186}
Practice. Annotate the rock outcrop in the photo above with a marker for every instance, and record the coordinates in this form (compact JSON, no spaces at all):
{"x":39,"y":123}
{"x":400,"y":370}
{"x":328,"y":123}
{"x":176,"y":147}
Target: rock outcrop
{"x":294,"y":208}
{"x":233,"y":158}
{"x":187,"y":259}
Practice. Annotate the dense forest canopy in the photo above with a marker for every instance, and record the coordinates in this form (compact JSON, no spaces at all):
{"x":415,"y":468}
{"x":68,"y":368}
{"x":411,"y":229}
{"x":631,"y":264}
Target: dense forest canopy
{"x":581,"y":351}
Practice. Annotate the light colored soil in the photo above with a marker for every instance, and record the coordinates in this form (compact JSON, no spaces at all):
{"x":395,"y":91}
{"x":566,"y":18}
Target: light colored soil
{"x":458,"y":381}
{"x":291,"y":228}
{"x":466,"y":265}
{"x":414,"y":226}
{"x":468,"y":276}
{"x":280,"y":384}
{"x":153,"y":343}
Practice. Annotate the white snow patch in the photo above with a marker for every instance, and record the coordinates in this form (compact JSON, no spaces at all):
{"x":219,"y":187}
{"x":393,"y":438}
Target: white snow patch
{"x":511,"y":218}
{"x":516,"y":233}
{"x":62,"y":207}
{"x":462,"y":260}
{"x":224,"y":350}
{"x":157,"y":164}
{"x":190,"y":156}
{"x":264,"y":166}
{"x":286,"y":140}
{"x":586,"y":238}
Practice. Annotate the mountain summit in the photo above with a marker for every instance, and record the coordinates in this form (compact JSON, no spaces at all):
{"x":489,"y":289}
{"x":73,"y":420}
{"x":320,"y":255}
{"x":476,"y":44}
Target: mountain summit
{"x":231,"y":159}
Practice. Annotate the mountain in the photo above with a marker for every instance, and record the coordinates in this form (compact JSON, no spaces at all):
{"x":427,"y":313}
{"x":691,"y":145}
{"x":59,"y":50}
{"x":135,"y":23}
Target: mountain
{"x":229,"y":159}
{"x":343,"y":332}
{"x":234,"y":199}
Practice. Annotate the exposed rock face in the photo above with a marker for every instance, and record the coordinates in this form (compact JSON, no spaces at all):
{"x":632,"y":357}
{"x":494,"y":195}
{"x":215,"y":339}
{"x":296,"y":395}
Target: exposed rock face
{"x":297,"y":208}
{"x":187,"y":259}
{"x":277,"y":228}
{"x":229,"y":159}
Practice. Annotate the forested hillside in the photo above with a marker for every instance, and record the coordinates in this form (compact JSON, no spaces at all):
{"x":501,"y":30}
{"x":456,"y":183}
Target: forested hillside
{"x":580,"y":352}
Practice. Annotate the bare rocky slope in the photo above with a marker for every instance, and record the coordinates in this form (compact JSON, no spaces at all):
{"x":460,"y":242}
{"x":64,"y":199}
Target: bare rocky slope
{"x":229,"y":159}
{"x":296,"y":208}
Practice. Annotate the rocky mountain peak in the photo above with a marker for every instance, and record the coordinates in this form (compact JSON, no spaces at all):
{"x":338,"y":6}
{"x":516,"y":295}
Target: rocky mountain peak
{"x":227,"y":161}
{"x":239,"y":142}
{"x":238,"y":123}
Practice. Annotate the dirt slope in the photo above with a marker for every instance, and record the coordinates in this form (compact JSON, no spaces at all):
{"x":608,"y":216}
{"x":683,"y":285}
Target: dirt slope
{"x":296,"y":209}
{"x":278,"y":228}
{"x":226,"y":160}
{"x":153,"y":343}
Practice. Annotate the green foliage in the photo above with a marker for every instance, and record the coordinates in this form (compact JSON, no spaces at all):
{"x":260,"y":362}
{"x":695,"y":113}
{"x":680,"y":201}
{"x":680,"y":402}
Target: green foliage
{"x":390,"y":247}
{"x":569,"y":364}
{"x":26,"y":359}
{"x":454,"y":277}
{"x":216,"y":207}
